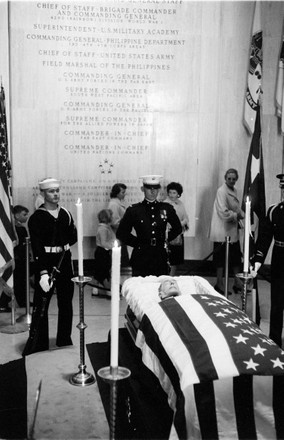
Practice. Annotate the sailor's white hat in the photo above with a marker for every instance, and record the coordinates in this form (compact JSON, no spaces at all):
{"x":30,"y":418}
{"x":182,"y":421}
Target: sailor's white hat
{"x":48,"y":183}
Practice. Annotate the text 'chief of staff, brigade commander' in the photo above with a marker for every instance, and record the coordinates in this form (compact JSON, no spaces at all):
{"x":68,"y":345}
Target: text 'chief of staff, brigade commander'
{"x":52,"y":232}
{"x":149,"y":219}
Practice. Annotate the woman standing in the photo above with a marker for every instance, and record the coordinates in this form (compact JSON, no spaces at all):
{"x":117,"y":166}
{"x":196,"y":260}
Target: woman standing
{"x":176,"y":247}
{"x":225,"y":223}
{"x":117,"y":206}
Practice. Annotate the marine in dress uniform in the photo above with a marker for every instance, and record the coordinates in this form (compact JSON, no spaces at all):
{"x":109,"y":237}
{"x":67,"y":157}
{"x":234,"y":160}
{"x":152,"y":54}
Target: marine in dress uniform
{"x":149,"y":219}
{"x":273,"y":228}
{"x":52,"y":232}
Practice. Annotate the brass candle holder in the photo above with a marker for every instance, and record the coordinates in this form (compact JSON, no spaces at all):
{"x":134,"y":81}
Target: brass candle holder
{"x":245,"y":277}
{"x":112,"y":375}
{"x":82,"y":378}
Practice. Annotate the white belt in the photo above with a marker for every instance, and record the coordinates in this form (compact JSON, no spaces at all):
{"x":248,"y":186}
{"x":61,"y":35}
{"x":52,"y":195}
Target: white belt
{"x":56,"y":249}
{"x":279,"y":243}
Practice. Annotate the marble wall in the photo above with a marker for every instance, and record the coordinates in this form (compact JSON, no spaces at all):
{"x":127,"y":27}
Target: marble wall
{"x":101,"y":92}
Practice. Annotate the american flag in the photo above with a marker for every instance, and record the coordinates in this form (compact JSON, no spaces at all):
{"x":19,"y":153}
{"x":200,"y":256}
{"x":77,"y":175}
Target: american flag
{"x":227,"y":376}
{"x":7,"y":232}
{"x":254,"y":71}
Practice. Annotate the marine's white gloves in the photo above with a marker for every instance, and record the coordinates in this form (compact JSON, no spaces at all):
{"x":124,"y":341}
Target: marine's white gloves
{"x":255,"y":269}
{"x":44,"y":282}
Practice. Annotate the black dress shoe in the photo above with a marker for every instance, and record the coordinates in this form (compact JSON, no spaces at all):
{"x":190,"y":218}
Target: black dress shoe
{"x":5,"y":309}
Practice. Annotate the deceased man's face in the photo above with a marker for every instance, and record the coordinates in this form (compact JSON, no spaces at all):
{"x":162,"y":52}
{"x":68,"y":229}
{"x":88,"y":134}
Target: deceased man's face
{"x":169,"y":288}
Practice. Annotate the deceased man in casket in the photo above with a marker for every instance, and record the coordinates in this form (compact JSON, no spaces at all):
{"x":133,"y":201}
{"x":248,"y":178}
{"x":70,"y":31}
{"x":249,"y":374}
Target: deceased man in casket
{"x":169,"y":288}
{"x":224,"y":378}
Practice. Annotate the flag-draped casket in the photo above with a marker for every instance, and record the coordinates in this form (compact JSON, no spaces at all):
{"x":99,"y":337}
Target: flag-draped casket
{"x":224,"y":378}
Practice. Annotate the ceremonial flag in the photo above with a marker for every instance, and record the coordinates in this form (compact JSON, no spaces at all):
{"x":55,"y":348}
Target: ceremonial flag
{"x":7,"y":233}
{"x":279,"y":87}
{"x":254,"y":71}
{"x":254,"y":188}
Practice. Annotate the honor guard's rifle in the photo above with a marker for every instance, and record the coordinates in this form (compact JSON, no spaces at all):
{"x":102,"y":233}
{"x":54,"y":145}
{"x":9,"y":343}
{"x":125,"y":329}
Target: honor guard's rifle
{"x":52,"y":278}
{"x":39,"y":312}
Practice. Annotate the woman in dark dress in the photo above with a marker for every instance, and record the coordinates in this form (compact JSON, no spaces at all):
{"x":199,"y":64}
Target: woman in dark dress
{"x":176,"y":247}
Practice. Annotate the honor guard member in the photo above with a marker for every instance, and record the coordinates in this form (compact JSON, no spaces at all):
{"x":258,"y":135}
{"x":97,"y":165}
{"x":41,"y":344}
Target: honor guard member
{"x":149,"y":219}
{"x":52,"y":232}
{"x":273,"y":228}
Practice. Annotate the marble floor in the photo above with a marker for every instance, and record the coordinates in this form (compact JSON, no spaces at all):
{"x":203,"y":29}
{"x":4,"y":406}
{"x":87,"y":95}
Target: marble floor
{"x":66,"y":411}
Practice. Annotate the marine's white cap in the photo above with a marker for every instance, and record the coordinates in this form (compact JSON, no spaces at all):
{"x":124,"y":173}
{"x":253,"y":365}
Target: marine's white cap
{"x":152,"y":180}
{"x":49,"y":183}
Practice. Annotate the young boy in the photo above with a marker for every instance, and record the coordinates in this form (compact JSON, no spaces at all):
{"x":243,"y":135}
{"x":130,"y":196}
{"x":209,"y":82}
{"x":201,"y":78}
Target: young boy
{"x":21,"y":216}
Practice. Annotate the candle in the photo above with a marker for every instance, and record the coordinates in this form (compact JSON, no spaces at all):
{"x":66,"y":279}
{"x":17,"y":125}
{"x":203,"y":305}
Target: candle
{"x":80,"y":237}
{"x":115,"y":284}
{"x":253,"y":306}
{"x":247,"y":233}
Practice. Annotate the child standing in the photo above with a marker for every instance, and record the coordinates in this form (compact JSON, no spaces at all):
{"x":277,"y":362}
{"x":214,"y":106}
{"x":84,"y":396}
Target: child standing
{"x":21,"y":216}
{"x":105,"y":240}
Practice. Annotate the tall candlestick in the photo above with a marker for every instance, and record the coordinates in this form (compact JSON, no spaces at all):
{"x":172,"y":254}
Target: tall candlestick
{"x":253,"y":304}
{"x":115,"y":283}
{"x":80,"y":237}
{"x":247,"y":233}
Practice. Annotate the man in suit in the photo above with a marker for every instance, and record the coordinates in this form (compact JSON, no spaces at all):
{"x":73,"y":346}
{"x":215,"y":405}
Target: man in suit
{"x":150,"y":220}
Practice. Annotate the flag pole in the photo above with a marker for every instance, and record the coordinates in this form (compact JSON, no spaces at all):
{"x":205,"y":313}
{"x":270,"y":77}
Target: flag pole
{"x":283,"y":155}
{"x":10,"y":88}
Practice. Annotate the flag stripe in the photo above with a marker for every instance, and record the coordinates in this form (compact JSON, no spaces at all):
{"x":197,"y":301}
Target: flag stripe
{"x":5,"y":224}
{"x":5,"y":254}
{"x":7,"y":274}
{"x":153,"y":341}
{"x":196,"y":345}
{"x":206,"y":410}
{"x":278,"y":405}
{"x":244,"y":407}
